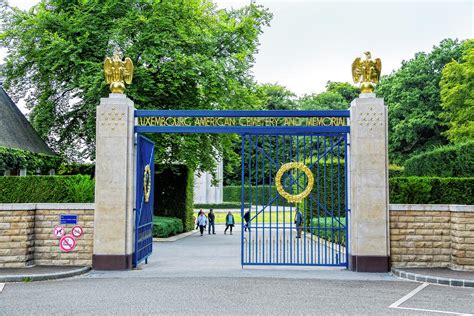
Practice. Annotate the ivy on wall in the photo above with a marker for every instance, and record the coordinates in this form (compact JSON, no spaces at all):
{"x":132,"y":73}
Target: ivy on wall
{"x":13,"y":158}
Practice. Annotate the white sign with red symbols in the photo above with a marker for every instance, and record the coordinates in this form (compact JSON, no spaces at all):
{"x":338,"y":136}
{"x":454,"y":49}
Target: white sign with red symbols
{"x":67,"y":243}
{"x":59,"y":231}
{"x":77,"y":231}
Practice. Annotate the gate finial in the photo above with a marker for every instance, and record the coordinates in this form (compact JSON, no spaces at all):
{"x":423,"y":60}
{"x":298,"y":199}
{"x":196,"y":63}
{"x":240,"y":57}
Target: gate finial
{"x":367,"y":72}
{"x":117,"y":72}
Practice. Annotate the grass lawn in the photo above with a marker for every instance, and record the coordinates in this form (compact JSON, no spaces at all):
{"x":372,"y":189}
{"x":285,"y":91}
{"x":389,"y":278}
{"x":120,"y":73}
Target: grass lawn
{"x":220,"y":217}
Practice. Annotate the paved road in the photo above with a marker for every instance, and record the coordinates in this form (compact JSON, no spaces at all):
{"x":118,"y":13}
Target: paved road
{"x":202,"y":275}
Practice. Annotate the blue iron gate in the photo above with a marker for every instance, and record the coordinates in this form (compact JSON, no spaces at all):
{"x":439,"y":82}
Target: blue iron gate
{"x":144,"y":200}
{"x":285,"y":173}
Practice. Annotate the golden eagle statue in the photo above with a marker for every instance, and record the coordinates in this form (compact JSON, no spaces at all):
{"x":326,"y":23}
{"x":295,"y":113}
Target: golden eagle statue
{"x":117,"y":72}
{"x":367,"y":72}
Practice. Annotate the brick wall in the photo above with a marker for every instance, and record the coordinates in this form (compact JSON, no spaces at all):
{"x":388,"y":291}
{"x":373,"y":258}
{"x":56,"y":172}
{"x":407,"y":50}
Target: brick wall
{"x":432,"y":236}
{"x":26,"y":235}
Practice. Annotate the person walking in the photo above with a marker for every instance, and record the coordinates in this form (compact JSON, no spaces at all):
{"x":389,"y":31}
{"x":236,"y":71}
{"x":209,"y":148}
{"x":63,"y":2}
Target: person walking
{"x":229,"y":222}
{"x":247,"y":220}
{"x":211,"y":217}
{"x":202,"y":221}
{"x":298,"y":223}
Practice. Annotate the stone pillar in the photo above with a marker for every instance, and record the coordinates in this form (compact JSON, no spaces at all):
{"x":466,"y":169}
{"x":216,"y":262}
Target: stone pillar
{"x":23,"y":172}
{"x":114,"y":176}
{"x":368,"y":185}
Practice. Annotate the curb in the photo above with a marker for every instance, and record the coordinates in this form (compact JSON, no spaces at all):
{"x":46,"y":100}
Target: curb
{"x":44,"y":277}
{"x":176,"y":237}
{"x":432,"y":279}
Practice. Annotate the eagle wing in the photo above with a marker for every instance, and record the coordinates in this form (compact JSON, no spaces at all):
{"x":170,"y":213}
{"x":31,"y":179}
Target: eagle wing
{"x":378,"y":67}
{"x":128,"y":73}
{"x":108,"y":65}
{"x":356,"y":70}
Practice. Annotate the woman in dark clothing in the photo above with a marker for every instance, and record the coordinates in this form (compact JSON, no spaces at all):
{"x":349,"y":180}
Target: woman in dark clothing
{"x":229,"y":222}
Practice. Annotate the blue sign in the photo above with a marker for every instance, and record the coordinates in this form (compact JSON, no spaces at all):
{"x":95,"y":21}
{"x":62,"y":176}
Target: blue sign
{"x":68,"y":219}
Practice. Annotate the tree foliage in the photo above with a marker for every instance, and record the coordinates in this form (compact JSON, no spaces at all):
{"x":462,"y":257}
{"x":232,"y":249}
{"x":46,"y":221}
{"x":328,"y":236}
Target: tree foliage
{"x":457,"y":96}
{"x":412,"y":95}
{"x":276,"y":97}
{"x":345,"y":89}
{"x":338,"y":96}
{"x":326,"y":100}
{"x":187,"y":55}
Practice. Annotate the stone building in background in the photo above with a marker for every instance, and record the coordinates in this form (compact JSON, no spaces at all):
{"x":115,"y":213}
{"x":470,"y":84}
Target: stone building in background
{"x":204,"y":191}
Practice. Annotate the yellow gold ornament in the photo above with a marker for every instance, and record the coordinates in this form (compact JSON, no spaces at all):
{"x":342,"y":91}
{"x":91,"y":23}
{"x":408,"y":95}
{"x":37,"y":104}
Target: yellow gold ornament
{"x":118,"y":72}
{"x":367,"y":72}
{"x":147,"y":183}
{"x":294,"y":198}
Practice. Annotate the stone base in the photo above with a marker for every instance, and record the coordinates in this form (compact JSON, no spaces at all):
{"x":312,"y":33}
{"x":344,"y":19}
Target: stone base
{"x":370,"y":263}
{"x":112,"y":262}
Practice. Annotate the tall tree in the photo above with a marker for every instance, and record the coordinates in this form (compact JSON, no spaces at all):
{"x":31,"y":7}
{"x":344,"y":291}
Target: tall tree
{"x":457,"y":96}
{"x":276,"y":97}
{"x":187,"y":55}
{"x":412,"y":95}
{"x":345,"y":89}
{"x":338,"y":96}
{"x":326,"y":100}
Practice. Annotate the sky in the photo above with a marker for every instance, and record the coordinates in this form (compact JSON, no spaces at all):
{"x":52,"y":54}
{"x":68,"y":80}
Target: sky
{"x":311,"y":41}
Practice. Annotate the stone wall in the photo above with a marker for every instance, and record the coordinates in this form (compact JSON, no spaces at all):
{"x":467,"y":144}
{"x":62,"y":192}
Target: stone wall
{"x":26,"y":234}
{"x":17,"y":237}
{"x":432,"y":236}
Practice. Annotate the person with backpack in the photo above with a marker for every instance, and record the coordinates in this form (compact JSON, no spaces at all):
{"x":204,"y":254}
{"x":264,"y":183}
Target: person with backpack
{"x":211,"y":218}
{"x":229,"y":222}
{"x":247,"y":220}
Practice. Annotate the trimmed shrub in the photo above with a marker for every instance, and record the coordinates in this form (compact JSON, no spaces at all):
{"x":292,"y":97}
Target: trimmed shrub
{"x":224,"y":205}
{"x":396,"y":171}
{"x":411,"y":190}
{"x":232,"y":193}
{"x":446,"y":161}
{"x":164,"y":227}
{"x":330,"y":229}
{"x":174,"y":193}
{"x":77,"y":168}
{"x":431,"y":190}
{"x":47,"y":189}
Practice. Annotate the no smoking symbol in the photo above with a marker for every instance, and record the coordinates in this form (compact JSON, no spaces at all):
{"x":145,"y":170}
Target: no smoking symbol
{"x":67,"y":243}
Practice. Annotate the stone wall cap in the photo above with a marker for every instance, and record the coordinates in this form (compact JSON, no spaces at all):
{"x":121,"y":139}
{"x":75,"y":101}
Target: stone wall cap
{"x":65,"y":206}
{"x":432,"y":207}
{"x":18,"y":207}
{"x":46,"y":206}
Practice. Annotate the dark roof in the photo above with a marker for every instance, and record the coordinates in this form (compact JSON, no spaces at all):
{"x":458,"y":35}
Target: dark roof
{"x":16,"y":131}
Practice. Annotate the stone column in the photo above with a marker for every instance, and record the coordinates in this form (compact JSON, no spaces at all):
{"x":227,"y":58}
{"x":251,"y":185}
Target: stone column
{"x":114,"y":176}
{"x":368,"y":181}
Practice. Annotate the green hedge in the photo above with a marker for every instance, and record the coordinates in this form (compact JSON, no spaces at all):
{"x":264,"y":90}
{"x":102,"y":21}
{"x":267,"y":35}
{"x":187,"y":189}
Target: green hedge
{"x":331,"y":229}
{"x":174,"y":193}
{"x":431,"y":190}
{"x":164,"y":227}
{"x":446,"y":161}
{"x":13,"y":158}
{"x":224,"y":205}
{"x":76,"y":168}
{"x":408,"y":190}
{"x":396,"y":171}
{"x":47,"y":189}
{"x":232,"y":194}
